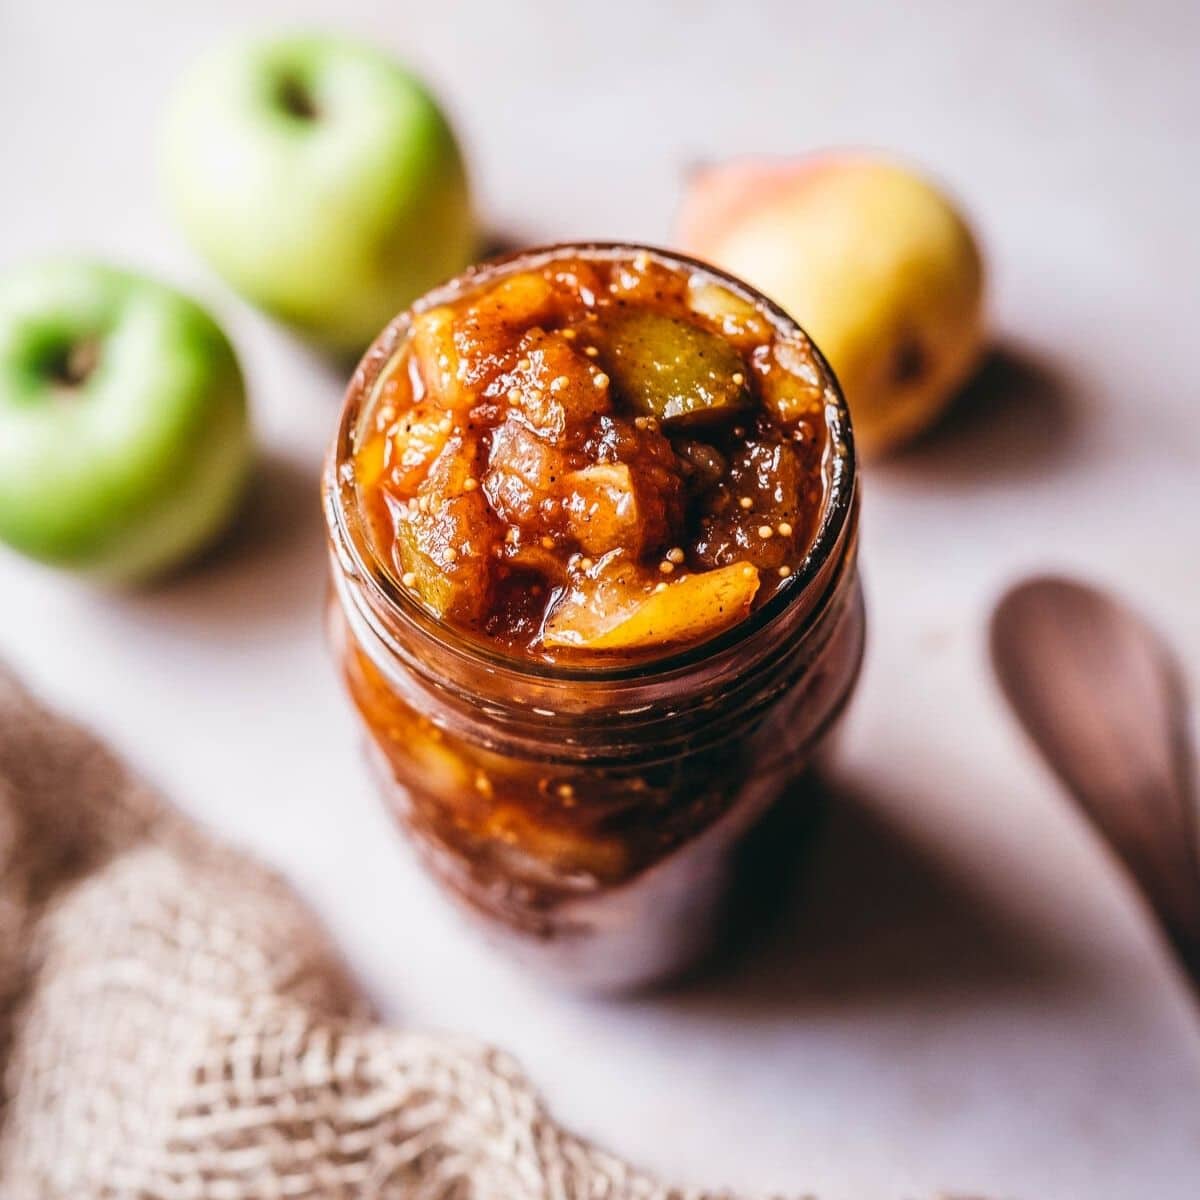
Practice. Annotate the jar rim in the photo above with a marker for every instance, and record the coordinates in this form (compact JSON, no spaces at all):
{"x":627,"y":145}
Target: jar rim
{"x":358,"y":559}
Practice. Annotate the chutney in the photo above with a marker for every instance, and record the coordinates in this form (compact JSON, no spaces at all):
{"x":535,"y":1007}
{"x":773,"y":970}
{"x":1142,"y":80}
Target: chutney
{"x":596,"y":458}
{"x":592,"y":518}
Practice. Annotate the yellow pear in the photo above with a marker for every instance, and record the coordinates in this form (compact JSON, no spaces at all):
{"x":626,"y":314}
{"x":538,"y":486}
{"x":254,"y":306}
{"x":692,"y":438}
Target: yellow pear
{"x":874,"y":261}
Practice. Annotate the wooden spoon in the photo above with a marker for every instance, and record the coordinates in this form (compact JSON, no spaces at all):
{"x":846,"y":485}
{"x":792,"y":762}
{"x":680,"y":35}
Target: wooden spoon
{"x":1102,"y":697}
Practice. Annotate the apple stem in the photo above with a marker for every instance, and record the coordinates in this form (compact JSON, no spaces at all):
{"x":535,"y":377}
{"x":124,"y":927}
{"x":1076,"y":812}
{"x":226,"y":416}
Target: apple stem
{"x":74,"y":367}
{"x":296,"y":99}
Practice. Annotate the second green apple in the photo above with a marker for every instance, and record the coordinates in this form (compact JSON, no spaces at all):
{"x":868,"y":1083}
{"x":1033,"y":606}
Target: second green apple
{"x":321,"y":180}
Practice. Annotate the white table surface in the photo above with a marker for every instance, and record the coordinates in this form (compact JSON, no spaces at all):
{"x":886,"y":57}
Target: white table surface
{"x":964,"y":997}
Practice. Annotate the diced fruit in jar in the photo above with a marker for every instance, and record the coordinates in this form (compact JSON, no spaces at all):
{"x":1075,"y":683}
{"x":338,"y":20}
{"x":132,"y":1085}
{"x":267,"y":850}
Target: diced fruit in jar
{"x":415,"y":439}
{"x":523,"y":474}
{"x":604,"y":454}
{"x":554,"y":388}
{"x":797,"y":391}
{"x":733,"y":315}
{"x":648,"y":453}
{"x":608,"y":505}
{"x":689,"y":609}
{"x":370,"y":463}
{"x":432,"y":347}
{"x":670,"y":369}
{"x":445,"y":536}
{"x":517,"y":302}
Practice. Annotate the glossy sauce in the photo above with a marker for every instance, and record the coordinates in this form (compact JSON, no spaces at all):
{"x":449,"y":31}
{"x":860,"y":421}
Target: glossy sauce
{"x":595,"y":459}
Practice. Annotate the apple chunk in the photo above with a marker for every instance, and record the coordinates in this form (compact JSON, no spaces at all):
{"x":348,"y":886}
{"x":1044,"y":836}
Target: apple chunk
{"x":690,"y":609}
{"x":414,"y":442}
{"x":553,"y":387}
{"x":673,"y":370}
{"x":445,"y":538}
{"x":606,"y":505}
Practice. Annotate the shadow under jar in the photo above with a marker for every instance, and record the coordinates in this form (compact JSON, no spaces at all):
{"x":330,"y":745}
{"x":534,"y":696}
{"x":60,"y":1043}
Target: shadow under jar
{"x":592,"y":512}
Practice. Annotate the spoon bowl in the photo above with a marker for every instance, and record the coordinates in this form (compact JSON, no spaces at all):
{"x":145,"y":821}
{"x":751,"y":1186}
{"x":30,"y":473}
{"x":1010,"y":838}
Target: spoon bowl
{"x":1102,"y":697}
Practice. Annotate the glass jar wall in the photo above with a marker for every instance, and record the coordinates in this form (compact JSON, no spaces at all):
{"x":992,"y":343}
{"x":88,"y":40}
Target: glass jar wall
{"x":588,"y":811}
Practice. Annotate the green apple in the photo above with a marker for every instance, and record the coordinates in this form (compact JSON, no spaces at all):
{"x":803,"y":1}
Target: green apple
{"x":124,"y":442}
{"x":321,"y":180}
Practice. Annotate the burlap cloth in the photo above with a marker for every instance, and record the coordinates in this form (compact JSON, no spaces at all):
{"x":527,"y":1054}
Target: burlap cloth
{"x":174,"y":1025}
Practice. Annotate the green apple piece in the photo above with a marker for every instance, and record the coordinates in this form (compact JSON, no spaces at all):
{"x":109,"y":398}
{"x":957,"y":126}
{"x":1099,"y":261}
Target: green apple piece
{"x":673,"y":370}
{"x":321,"y":180}
{"x":124,"y":442}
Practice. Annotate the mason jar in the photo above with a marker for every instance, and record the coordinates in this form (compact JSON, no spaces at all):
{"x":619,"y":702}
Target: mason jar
{"x":589,"y":815}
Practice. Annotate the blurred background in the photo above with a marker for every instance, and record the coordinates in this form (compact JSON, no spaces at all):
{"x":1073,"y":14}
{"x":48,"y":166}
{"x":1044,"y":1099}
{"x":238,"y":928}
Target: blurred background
{"x":963,"y":996}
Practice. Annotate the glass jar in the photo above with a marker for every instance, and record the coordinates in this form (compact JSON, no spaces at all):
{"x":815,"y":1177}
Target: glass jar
{"x":589,"y":814}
